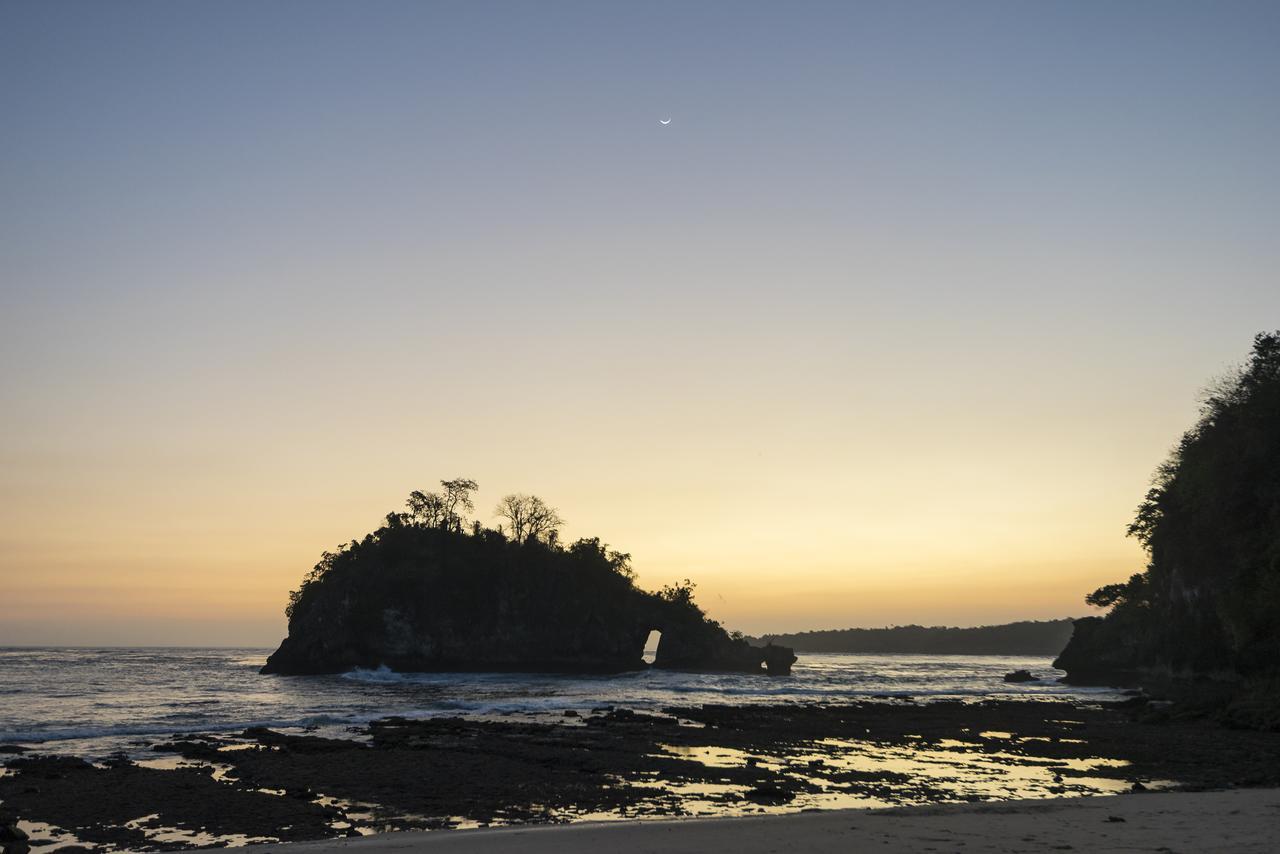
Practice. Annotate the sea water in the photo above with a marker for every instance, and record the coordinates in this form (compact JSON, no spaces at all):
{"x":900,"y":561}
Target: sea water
{"x":93,"y":702}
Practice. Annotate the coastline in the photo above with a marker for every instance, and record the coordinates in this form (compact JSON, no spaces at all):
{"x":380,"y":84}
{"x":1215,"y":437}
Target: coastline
{"x":617,"y":765}
{"x":1242,"y":819}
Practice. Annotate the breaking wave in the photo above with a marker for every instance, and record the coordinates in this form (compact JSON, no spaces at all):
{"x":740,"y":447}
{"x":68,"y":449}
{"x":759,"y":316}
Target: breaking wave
{"x":116,"y":699}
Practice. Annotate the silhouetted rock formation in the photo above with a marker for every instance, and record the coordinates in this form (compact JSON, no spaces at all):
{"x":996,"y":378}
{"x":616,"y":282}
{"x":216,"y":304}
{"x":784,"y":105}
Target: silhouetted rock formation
{"x":1103,"y":653}
{"x":1020,"y":676}
{"x":420,"y":598}
{"x":10,"y":833}
{"x":778,"y":660}
{"x":1207,"y":603}
{"x":1025,"y":638}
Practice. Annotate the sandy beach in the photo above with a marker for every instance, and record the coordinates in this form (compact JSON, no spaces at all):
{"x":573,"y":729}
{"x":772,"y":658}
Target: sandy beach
{"x":1234,"y":820}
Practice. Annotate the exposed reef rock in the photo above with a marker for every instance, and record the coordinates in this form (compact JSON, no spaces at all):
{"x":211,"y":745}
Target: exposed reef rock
{"x":778,"y":660}
{"x":418,"y":598}
{"x":1020,"y":676}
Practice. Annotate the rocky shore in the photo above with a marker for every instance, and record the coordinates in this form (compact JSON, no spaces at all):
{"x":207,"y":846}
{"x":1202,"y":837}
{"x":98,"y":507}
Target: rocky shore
{"x":396,"y":774}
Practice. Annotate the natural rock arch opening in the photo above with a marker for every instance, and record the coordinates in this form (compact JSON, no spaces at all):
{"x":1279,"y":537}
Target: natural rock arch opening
{"x":651,"y":642}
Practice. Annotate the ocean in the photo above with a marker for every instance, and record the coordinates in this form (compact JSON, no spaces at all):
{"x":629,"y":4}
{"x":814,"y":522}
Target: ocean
{"x":96,"y":702}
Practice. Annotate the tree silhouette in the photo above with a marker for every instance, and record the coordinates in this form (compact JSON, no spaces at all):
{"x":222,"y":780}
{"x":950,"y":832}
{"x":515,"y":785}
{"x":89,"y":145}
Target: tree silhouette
{"x":619,"y":562}
{"x":426,"y":509}
{"x":457,"y":498}
{"x":529,"y":516}
{"x":680,"y":593}
{"x":443,"y":510}
{"x":1209,"y":597}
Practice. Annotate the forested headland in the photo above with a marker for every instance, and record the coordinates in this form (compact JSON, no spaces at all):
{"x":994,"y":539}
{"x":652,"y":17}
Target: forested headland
{"x":1206,"y":608}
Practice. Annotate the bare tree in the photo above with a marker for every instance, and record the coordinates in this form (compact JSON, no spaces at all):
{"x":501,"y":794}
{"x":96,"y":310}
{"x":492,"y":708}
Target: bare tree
{"x":512,"y":508}
{"x":529,"y":516}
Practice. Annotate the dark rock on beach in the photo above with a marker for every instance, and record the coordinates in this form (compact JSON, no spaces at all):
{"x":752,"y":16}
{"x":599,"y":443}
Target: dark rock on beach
{"x":1020,"y":676}
{"x":99,"y":805}
{"x":13,"y":839}
{"x":431,"y":773}
{"x":769,"y":793}
{"x":10,"y":832}
{"x":296,"y":743}
{"x":192,"y":749}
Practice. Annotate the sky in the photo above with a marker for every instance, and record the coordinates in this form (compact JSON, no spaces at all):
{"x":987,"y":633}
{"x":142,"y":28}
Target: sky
{"x":891,"y":324}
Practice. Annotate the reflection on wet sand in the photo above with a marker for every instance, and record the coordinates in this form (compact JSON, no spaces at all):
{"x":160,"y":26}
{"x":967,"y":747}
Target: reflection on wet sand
{"x":605,"y":764}
{"x":836,"y":774}
{"x":829,"y":773}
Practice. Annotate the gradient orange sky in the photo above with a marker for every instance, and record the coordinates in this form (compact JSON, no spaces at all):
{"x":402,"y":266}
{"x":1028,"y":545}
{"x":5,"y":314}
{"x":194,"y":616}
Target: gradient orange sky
{"x":891,"y":324}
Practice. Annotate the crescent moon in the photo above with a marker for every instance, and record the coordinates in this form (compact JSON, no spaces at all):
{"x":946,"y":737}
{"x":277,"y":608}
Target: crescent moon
{"x":664,"y":121}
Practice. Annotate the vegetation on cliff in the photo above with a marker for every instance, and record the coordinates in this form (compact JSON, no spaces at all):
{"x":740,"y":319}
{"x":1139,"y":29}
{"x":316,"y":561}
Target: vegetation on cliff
{"x":1029,"y":637}
{"x":1208,"y":602}
{"x":436,"y":528}
{"x":433,"y":590}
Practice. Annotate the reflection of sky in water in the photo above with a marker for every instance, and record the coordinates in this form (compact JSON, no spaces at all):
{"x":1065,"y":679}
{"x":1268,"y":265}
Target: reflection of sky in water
{"x":958,"y":770}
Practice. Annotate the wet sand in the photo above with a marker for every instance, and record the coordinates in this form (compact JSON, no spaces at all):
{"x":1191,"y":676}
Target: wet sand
{"x":446,"y":774}
{"x":1240,"y":820}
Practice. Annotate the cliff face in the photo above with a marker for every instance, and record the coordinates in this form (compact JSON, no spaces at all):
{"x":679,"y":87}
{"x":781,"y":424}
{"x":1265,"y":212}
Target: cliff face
{"x":1207,"y":605}
{"x":1101,"y":653}
{"x":421,"y":599}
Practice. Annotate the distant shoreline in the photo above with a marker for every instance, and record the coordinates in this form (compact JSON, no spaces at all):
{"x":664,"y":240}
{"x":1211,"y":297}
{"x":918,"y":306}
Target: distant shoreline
{"x":1238,"y":819}
{"x":1025,"y":637}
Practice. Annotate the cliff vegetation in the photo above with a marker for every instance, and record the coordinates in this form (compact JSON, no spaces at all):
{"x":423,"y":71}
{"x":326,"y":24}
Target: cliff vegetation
{"x":1207,"y":605}
{"x":432,"y":590}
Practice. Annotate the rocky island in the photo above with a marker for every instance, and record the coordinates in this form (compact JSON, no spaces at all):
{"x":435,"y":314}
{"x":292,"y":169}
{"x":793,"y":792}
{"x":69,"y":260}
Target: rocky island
{"x":428,"y":592}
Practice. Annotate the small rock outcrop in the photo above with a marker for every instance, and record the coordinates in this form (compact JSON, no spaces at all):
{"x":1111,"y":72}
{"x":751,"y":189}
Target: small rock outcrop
{"x":778,"y":660}
{"x":10,"y":832}
{"x":417,"y":598}
{"x":1020,"y":676}
{"x":1102,"y":652}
